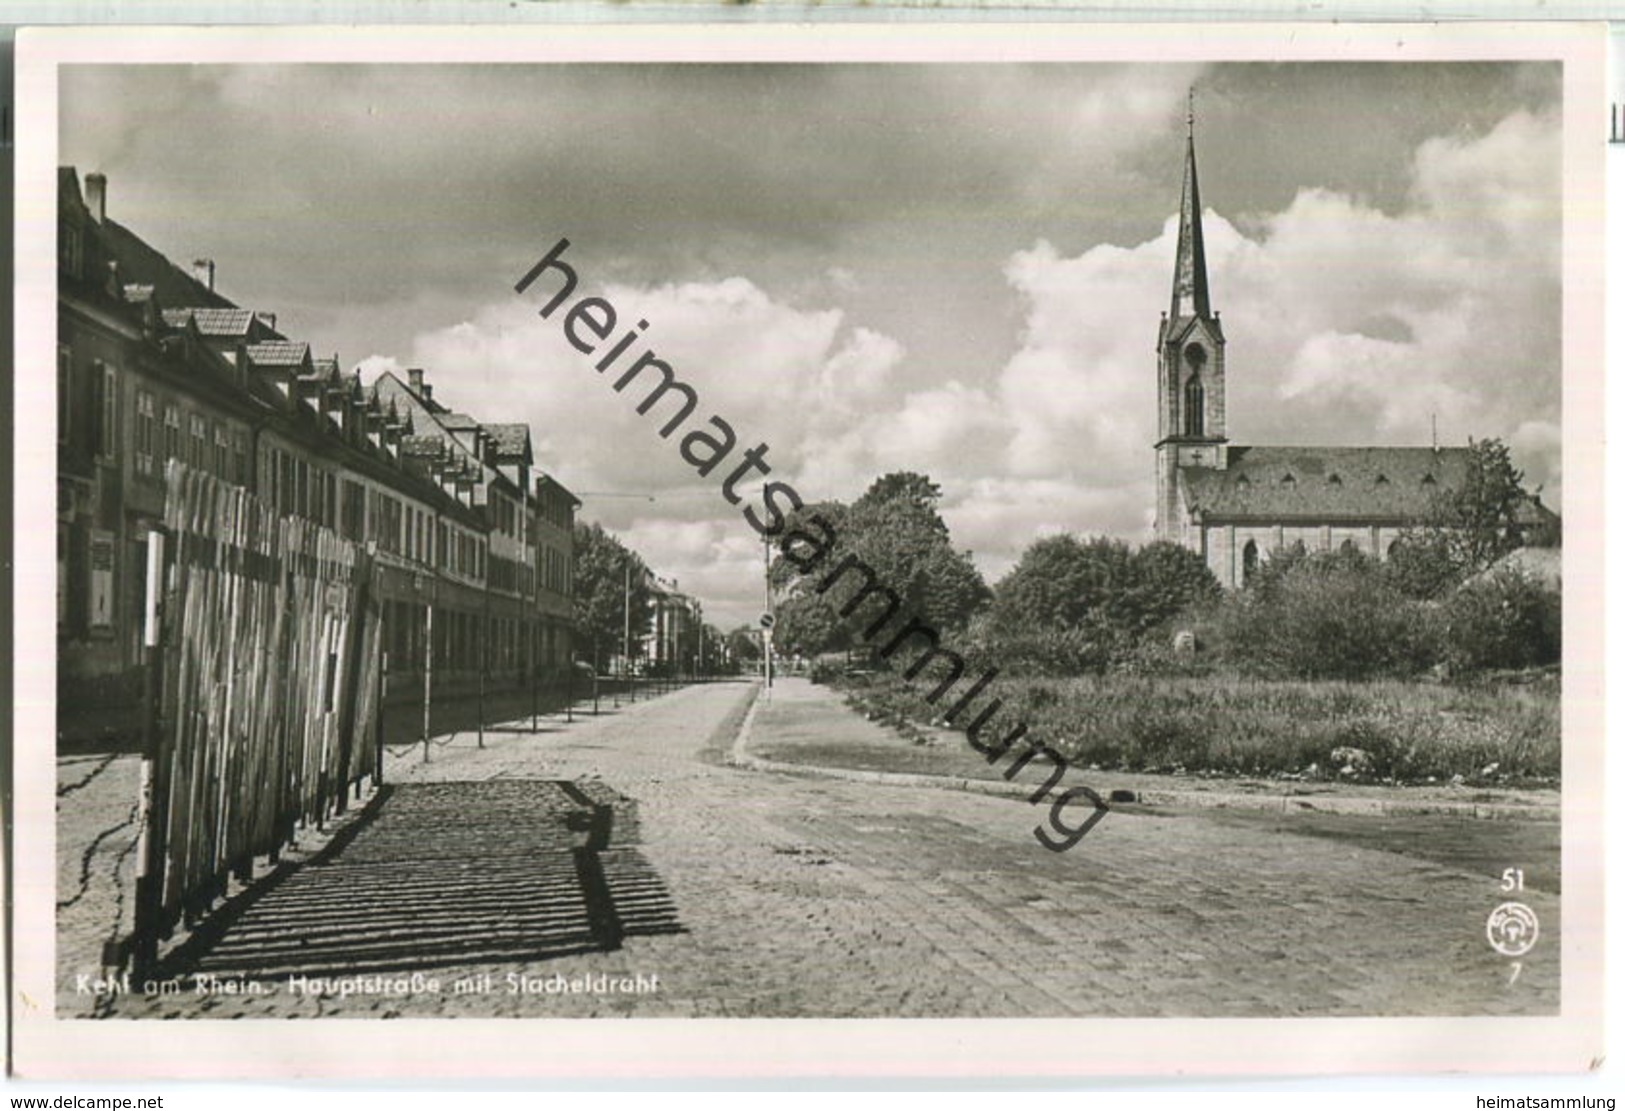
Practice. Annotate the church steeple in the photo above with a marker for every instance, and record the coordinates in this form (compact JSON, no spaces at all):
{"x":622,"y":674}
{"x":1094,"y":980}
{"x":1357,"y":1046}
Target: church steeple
{"x":1190,"y":364}
{"x":1190,"y":263}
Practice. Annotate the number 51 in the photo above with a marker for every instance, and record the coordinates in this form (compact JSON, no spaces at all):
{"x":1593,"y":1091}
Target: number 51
{"x":1512,"y":879}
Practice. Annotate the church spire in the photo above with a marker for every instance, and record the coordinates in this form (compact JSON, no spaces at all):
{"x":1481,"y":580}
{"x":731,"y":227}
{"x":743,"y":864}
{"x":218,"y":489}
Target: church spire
{"x":1190,"y":263}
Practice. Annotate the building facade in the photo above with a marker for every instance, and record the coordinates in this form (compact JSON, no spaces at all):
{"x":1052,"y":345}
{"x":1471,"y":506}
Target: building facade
{"x":675,"y":641}
{"x":1236,"y":504}
{"x":153,"y":363}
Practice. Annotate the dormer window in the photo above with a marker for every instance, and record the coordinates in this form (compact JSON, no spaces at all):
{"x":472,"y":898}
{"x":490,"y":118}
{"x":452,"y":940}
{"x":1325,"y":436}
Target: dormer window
{"x":1427,"y":480}
{"x":1382,"y":480}
{"x":1288,"y":480}
{"x":1334,"y":481}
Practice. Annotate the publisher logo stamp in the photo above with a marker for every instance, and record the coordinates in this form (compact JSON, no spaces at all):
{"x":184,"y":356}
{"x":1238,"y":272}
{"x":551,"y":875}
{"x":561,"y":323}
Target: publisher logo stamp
{"x":1512,"y":929}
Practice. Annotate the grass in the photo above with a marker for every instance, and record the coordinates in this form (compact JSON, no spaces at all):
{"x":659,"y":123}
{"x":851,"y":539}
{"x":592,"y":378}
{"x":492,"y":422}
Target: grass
{"x":1408,"y":732}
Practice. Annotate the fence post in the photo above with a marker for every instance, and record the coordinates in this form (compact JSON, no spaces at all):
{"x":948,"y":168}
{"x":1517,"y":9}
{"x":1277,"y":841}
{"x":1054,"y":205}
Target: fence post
{"x":378,"y":724}
{"x":354,"y":648}
{"x":150,"y":853}
{"x":428,"y":671}
{"x":485,"y":663}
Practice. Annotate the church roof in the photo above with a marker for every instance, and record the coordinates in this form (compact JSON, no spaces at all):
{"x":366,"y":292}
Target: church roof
{"x":1323,"y":484}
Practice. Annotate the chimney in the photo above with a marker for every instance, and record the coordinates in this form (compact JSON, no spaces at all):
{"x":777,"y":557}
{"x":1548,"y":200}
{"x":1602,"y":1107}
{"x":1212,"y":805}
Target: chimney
{"x":203,"y":272}
{"x":266,"y":318}
{"x":414,"y":378}
{"x":96,"y":196}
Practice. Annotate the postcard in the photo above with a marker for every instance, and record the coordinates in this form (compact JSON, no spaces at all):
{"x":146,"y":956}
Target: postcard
{"x":982,"y":550}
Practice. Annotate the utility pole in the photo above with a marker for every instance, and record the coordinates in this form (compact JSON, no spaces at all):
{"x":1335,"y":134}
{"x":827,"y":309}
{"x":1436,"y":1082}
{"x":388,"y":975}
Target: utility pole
{"x":767,"y":624}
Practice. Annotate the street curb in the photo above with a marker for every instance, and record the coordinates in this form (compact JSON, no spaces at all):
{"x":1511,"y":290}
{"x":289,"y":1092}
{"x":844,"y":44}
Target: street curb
{"x":740,"y":757}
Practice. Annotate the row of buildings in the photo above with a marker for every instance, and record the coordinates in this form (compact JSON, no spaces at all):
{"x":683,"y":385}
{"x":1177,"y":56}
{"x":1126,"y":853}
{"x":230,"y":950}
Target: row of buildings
{"x":154,"y":363}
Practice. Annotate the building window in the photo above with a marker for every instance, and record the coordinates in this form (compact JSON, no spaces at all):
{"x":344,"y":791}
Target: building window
{"x":1195,"y":399}
{"x":222,"y":453}
{"x":1249,"y":562}
{"x":64,"y":393}
{"x":64,"y":536}
{"x":285,"y":487}
{"x":101,"y":581}
{"x":146,"y":433}
{"x":107,"y":411}
{"x":197,"y":454}
{"x":70,"y":249}
{"x":172,"y":432}
{"x":353,"y":511}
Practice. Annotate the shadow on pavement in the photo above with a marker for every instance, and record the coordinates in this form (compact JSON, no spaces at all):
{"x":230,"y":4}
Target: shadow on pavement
{"x":447,"y":874}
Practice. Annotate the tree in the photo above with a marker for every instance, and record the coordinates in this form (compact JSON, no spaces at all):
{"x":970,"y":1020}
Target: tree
{"x":745,"y":644}
{"x":1467,"y":527}
{"x":1168,"y":580}
{"x":604,"y":570}
{"x":894,"y":529}
{"x":1064,"y":583}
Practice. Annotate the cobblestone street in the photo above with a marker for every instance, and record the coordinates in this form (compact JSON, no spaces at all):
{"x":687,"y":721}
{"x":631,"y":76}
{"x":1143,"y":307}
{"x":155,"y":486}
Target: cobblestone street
{"x":501,"y":874}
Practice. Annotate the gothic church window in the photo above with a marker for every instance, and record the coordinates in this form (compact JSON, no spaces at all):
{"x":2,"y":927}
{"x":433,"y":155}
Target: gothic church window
{"x":1194,"y":403}
{"x":1249,"y":562}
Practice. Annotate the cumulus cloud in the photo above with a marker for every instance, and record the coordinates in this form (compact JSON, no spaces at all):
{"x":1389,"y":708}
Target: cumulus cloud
{"x":1345,"y":324}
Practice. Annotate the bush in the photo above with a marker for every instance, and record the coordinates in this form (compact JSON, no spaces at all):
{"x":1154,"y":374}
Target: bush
{"x":825,"y":671}
{"x":1410,"y":732}
{"x":1077,"y":607}
{"x":1504,"y":620}
{"x":1325,"y":616}
{"x":1086,"y":650}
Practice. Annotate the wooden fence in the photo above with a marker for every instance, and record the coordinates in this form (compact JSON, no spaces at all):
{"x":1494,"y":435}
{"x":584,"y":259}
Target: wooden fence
{"x":264,"y":650}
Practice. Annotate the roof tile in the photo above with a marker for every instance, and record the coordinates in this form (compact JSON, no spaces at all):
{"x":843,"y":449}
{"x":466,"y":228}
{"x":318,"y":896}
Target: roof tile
{"x":1324,"y":484}
{"x":278,"y":353}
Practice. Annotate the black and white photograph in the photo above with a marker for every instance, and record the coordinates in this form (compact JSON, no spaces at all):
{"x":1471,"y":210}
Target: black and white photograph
{"x":883,"y":528}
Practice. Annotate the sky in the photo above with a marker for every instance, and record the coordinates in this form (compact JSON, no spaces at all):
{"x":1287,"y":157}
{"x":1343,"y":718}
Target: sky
{"x":950,"y":269}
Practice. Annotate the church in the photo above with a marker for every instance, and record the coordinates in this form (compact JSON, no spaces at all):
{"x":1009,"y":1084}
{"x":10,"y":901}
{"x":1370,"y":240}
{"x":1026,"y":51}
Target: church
{"x":1236,"y":504}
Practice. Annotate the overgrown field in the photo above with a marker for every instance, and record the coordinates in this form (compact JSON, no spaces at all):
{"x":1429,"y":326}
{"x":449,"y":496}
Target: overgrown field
{"x":1492,"y":732}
